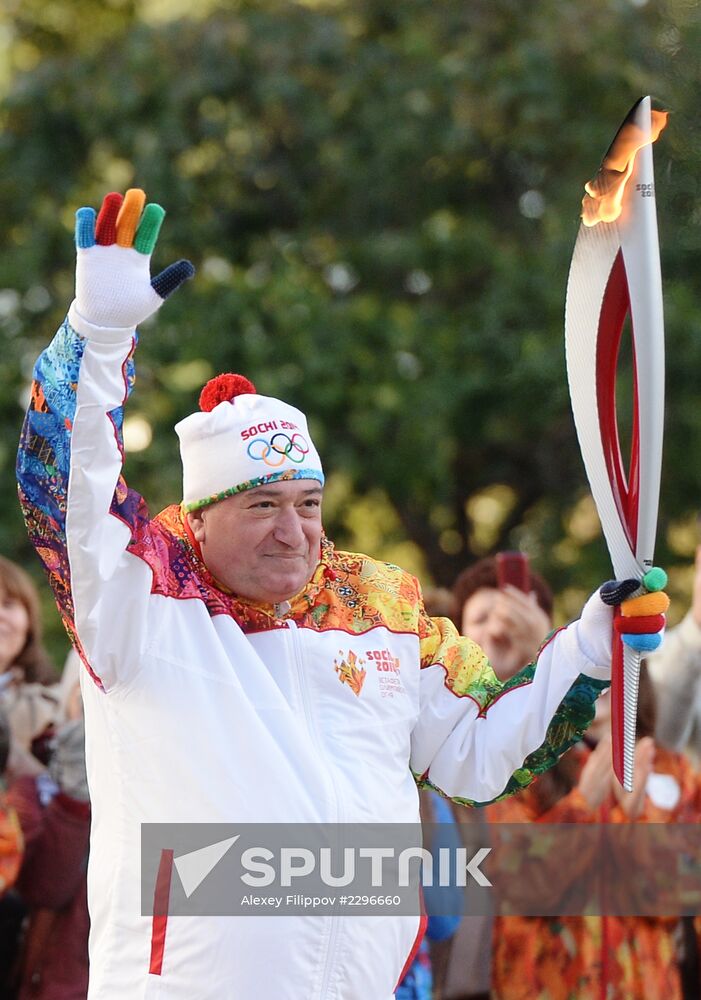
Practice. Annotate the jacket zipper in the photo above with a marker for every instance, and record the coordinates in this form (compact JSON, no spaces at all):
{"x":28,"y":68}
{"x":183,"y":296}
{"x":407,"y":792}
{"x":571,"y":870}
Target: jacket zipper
{"x":334,"y":931}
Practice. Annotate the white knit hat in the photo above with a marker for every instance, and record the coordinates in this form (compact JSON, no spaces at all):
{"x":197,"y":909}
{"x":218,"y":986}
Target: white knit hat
{"x":241,"y":440}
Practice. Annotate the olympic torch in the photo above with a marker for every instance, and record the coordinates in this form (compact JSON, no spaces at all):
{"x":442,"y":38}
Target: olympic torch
{"x":614,"y":274}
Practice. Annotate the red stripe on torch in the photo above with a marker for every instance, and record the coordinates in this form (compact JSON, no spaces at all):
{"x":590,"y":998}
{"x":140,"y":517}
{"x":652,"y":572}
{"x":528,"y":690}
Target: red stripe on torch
{"x":624,"y":487}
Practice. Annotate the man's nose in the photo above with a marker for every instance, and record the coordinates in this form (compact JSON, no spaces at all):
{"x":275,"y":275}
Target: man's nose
{"x":288,"y":527}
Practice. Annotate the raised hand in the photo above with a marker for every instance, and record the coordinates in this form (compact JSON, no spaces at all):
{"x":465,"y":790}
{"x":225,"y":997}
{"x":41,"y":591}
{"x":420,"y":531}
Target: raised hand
{"x":598,"y":783}
{"x":641,"y":621}
{"x":596,"y":780}
{"x":632,"y":803}
{"x":114,"y":287}
{"x":643,"y":605}
{"x":521,"y":617}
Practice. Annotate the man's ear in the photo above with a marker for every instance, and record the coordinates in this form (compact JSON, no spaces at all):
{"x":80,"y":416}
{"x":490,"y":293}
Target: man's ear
{"x":195,"y":518}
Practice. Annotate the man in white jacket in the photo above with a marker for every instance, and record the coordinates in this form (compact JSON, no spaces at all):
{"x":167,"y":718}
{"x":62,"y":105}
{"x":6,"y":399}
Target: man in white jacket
{"x":238,"y":667}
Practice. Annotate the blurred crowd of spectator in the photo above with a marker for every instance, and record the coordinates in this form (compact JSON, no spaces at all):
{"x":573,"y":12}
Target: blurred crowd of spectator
{"x":589,"y":956}
{"x":45,"y":816}
{"x":44,"y":811}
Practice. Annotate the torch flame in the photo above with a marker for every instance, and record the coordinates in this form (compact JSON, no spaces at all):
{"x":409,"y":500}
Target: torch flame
{"x":604,"y":194}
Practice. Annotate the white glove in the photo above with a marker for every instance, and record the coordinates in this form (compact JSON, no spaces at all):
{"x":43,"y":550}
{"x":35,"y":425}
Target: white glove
{"x":595,"y":630}
{"x":113,"y":286}
{"x":641,"y":625}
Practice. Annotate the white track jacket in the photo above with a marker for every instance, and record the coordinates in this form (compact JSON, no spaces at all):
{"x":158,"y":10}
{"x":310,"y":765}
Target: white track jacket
{"x":201,"y":708}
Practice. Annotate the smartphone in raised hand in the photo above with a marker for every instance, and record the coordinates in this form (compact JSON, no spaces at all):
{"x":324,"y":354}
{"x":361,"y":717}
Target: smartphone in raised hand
{"x":513,"y":568}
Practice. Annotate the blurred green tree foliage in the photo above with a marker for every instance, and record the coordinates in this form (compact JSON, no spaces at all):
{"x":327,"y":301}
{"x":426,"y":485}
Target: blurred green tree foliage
{"x":381,"y":200}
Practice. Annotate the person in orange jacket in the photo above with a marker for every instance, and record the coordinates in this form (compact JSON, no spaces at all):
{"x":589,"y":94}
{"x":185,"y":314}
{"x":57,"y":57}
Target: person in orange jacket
{"x":590,"y":957}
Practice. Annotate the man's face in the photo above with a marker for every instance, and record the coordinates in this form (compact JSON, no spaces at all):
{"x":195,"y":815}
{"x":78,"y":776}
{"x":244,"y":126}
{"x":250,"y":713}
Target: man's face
{"x":263,"y":544}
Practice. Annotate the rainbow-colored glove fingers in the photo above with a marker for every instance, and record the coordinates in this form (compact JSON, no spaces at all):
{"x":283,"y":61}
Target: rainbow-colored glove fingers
{"x":113,"y":283}
{"x":643,"y":605}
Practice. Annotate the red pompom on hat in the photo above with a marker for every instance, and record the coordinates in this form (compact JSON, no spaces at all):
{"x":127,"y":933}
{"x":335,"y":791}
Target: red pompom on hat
{"x":224,"y":389}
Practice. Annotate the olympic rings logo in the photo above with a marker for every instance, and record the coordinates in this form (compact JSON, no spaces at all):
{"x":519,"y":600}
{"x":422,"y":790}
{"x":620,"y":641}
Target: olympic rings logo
{"x":280,"y":447}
